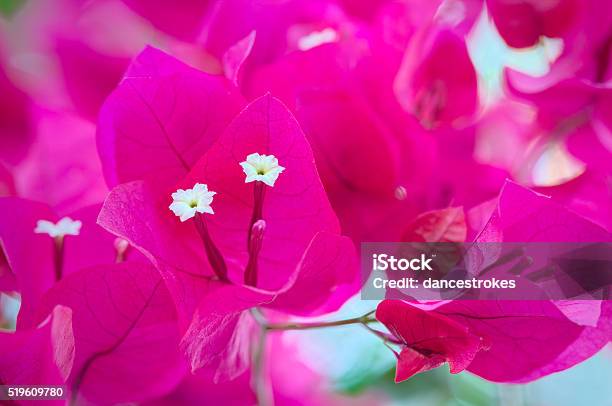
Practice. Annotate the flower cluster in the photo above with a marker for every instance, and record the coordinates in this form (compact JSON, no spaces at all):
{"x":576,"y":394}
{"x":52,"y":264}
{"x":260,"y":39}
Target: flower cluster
{"x":180,"y":182}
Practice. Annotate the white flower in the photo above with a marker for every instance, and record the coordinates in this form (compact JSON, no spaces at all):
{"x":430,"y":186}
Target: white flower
{"x":66,"y":226}
{"x":316,"y":38}
{"x":186,"y":203}
{"x":262,"y":168}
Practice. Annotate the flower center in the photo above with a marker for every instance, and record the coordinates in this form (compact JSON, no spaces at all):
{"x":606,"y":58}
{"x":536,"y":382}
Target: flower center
{"x":187,"y":202}
{"x":261,"y":168}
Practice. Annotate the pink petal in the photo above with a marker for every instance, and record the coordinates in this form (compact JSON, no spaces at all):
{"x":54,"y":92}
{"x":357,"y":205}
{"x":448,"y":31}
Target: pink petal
{"x":124,"y":323}
{"x":34,"y":274}
{"x":426,"y":87}
{"x":7,"y":185}
{"x":428,"y":339}
{"x":235,"y":57}
{"x":161,"y":118}
{"x":349,"y":140}
{"x":16,"y":128}
{"x":522,"y":23}
{"x":521,"y":338}
{"x":585,"y":195}
{"x":138,"y":212}
{"x":222,"y":332}
{"x":40,"y":356}
{"x":523,"y":215}
{"x":184,"y":19}
{"x":80,"y":63}
{"x":72,"y":178}
{"x":326,"y":277}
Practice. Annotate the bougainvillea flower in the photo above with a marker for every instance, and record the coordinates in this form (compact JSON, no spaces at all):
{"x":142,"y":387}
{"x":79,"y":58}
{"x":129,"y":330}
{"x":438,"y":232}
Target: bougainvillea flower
{"x":426,"y":87}
{"x":123,"y":321}
{"x":427,"y":339}
{"x":582,"y":25}
{"x":344,"y":100}
{"x":278,"y":25}
{"x":161,"y":118}
{"x":525,"y":340}
{"x":280,"y":240}
{"x":530,"y":339}
{"x":346,"y":127}
{"x":573,"y":116}
{"x":57,"y":254}
{"x":522,"y":23}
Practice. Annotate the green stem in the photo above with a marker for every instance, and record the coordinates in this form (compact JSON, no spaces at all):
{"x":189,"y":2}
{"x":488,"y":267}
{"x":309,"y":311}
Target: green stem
{"x":364,"y":319}
{"x":260,"y":383}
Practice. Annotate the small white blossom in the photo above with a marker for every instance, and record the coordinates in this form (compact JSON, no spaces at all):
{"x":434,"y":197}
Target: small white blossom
{"x":262,"y":168}
{"x":186,"y":203}
{"x":316,"y":38}
{"x":66,"y":226}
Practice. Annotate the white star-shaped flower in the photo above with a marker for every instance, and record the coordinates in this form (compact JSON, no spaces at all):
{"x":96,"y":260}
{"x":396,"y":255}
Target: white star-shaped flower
{"x":186,"y":203}
{"x":66,"y":226}
{"x":316,"y":38}
{"x":262,"y":168}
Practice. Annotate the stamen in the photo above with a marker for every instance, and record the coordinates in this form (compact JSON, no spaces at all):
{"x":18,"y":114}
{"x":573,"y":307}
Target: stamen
{"x":255,"y":241}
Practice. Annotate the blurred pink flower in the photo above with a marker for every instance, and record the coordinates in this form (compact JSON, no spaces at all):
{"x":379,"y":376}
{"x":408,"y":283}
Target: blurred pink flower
{"x":523,"y":23}
{"x":36,"y":274}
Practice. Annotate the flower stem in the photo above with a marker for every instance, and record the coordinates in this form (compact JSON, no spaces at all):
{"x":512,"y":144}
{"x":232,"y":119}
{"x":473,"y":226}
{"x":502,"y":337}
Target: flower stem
{"x":58,"y":256}
{"x":365,"y":319}
{"x":212,"y":252}
{"x":259,"y":378}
